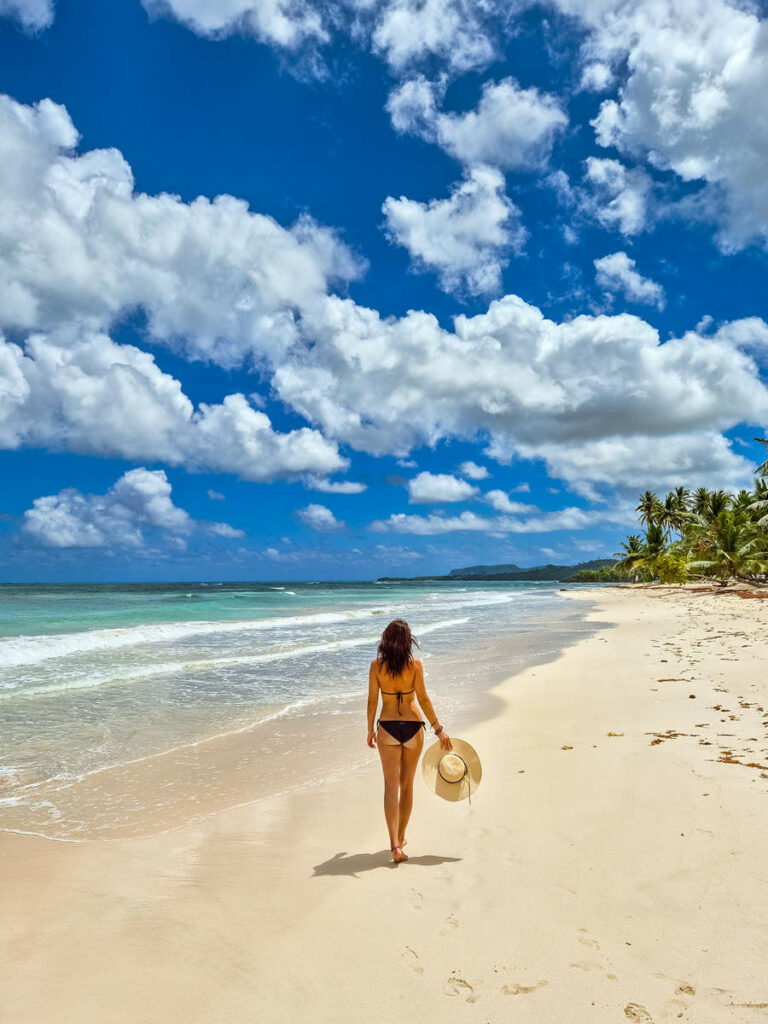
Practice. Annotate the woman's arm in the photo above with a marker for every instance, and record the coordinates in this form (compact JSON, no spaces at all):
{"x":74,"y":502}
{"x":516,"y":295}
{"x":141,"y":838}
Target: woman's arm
{"x":373,"y":703}
{"x":426,"y":706}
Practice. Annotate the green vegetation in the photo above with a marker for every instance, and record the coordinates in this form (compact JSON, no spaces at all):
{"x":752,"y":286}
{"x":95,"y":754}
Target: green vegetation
{"x":609,"y":574}
{"x":700,"y":535}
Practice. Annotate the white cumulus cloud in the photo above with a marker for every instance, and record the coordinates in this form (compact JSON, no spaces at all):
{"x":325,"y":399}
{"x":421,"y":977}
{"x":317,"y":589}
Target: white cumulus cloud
{"x":225,"y":530}
{"x":32,"y":14}
{"x":634,"y":462}
{"x":315,"y":483}
{"x":596,"y":76}
{"x":502,"y":503}
{"x":464,"y":238}
{"x":82,"y":392}
{"x":426,"y":488}
{"x":691,"y":100}
{"x":140,"y":498}
{"x":282,"y":23}
{"x":619,"y":197}
{"x":407,"y":31}
{"x":459,"y":34}
{"x":528,"y":385}
{"x":76,"y":241}
{"x":472,"y":471}
{"x":319,"y":517}
{"x":511,"y":128}
{"x":78,"y":247}
{"x":435,"y":524}
{"x":618,"y":274}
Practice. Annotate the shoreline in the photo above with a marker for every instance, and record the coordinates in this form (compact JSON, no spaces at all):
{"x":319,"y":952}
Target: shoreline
{"x":163,"y":791}
{"x":598,"y":876}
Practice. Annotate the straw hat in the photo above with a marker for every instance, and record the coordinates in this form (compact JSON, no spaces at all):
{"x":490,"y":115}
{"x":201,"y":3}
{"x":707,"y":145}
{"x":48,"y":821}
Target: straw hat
{"x":452,"y":774}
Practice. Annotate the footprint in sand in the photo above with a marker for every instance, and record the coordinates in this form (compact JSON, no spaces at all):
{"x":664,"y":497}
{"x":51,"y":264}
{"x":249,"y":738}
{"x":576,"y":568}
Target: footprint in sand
{"x":587,"y":965}
{"x":514,"y":989}
{"x":451,"y":922}
{"x":638,"y":1013}
{"x":456,"y":986}
{"x":409,"y":957}
{"x":590,"y":965}
{"x":585,"y":941}
{"x":684,"y":989}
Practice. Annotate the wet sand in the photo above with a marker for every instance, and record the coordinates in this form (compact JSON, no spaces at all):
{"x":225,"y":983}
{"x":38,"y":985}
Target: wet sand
{"x":611,"y":867}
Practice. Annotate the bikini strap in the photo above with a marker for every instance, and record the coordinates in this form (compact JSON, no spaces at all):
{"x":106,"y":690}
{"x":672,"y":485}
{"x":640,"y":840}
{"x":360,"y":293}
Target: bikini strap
{"x":399,"y":695}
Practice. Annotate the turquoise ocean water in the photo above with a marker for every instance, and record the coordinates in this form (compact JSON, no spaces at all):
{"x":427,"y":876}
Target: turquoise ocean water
{"x":122,"y":704}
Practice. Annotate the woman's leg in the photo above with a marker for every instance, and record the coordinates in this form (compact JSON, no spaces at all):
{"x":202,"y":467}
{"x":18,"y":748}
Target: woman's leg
{"x":391,"y":756}
{"x":411,"y":754}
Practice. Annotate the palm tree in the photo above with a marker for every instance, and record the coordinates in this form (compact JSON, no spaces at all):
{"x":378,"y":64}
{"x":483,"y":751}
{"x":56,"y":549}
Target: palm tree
{"x":655,"y":542}
{"x":701,"y":501}
{"x":675,"y":510}
{"x":742,"y":503}
{"x":718,"y":502}
{"x":632,"y":555}
{"x":650,"y":508}
{"x":668,"y":516}
{"x":729,"y":546}
{"x":651,"y":547}
{"x":718,"y":534}
{"x":759,"y":505}
{"x":683,"y":498}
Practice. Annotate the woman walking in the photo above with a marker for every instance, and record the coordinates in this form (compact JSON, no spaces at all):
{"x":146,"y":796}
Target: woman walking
{"x":399,"y":678}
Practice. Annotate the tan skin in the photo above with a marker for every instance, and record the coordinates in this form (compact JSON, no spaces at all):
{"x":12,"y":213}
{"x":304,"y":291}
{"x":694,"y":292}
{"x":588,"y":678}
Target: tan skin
{"x":399,"y":762}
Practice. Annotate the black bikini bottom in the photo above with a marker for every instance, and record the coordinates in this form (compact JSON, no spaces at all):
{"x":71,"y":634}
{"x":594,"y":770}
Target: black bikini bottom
{"x":401,"y":731}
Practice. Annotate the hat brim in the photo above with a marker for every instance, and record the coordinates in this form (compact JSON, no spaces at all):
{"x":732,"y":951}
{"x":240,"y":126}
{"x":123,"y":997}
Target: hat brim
{"x":451,"y":790}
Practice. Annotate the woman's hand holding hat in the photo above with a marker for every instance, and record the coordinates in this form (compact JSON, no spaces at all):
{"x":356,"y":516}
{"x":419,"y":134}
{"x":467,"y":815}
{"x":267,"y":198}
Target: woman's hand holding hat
{"x":445,"y":740}
{"x":453,"y":773}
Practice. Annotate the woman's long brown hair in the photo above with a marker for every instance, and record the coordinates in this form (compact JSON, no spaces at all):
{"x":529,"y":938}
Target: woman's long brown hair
{"x":396,"y":647}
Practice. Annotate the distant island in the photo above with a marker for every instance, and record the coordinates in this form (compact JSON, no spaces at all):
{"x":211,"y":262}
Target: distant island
{"x":599,"y":570}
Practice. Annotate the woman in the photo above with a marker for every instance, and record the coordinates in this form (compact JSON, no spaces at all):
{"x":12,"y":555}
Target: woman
{"x":399,"y":677}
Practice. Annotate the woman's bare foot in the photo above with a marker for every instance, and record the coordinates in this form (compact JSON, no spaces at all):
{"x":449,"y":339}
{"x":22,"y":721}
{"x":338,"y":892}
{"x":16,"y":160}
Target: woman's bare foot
{"x":397,"y":855}
{"x":403,"y":841}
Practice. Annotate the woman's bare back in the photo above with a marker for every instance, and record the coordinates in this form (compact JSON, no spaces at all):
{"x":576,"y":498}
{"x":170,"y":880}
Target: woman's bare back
{"x":399,"y":693}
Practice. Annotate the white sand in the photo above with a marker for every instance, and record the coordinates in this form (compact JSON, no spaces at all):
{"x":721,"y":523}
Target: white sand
{"x":619,"y":879}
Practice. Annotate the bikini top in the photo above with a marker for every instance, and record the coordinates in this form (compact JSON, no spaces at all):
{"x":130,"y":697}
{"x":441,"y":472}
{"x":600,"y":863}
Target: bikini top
{"x":399,"y":694}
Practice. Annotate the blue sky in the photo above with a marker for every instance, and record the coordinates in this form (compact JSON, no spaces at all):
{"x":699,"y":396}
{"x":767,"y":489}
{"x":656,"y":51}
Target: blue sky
{"x":291,"y":292}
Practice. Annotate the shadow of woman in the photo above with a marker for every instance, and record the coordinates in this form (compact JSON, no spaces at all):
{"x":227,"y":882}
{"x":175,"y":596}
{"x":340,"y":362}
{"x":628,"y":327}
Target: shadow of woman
{"x":353,"y":864}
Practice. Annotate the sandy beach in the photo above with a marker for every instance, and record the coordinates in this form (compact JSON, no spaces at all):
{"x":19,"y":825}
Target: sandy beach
{"x":610,"y":868}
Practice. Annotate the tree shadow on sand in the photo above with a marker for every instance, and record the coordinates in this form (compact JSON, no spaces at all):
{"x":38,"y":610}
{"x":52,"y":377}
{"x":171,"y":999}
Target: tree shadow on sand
{"x":353,"y":864}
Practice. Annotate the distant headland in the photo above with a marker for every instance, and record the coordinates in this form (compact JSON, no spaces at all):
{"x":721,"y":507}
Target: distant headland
{"x":583,"y":572}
